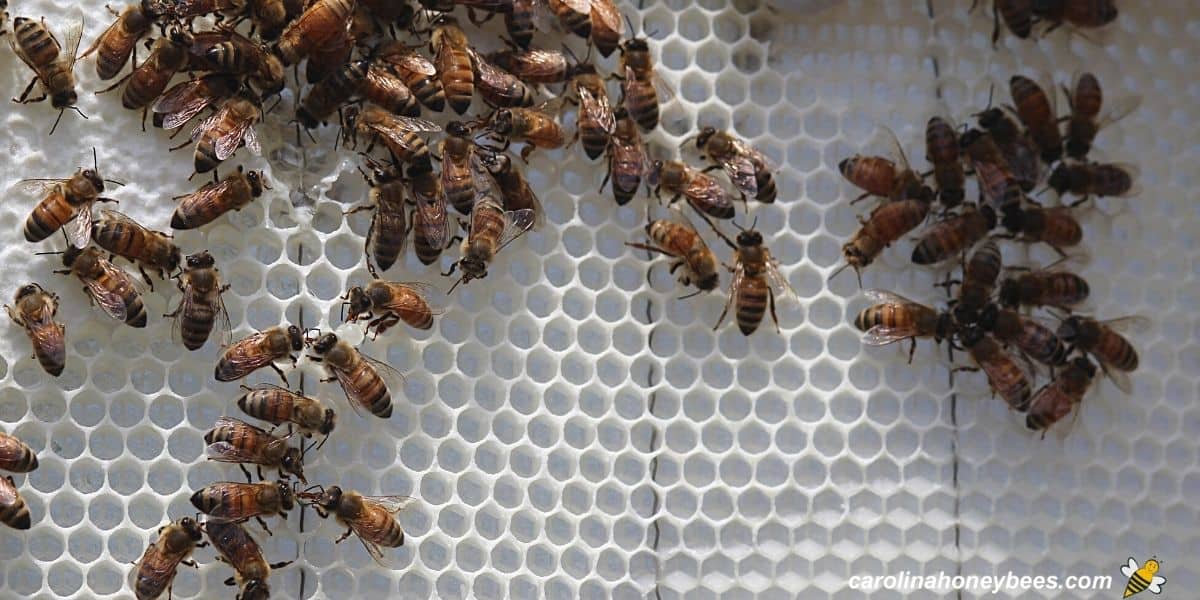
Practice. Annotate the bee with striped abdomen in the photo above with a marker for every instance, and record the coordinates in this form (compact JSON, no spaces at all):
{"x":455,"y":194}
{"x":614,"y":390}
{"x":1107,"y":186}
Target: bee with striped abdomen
{"x":1102,"y":341}
{"x":237,"y":548}
{"x":331,"y":93}
{"x":642,"y":88}
{"x":65,"y":201}
{"x":1019,"y":153}
{"x":1057,"y":288}
{"x":535,"y":127}
{"x":1035,"y":108}
{"x":943,"y":152}
{"x":233,"y":440}
{"x":1079,"y":13}
{"x":748,"y":169}
{"x":52,"y":65}
{"x":953,"y":235}
{"x":147,"y":81}
{"x":1094,"y":179}
{"x":430,"y":223}
{"x":278,"y":405}
{"x":183,"y":101}
{"x":514,"y":189}
{"x":224,"y":50}
{"x":700,"y":189}
{"x":418,"y":73}
{"x":895,"y":318}
{"x":13,"y":510}
{"x":208,"y":203}
{"x":497,"y":87}
{"x":320,"y":25}
{"x":106,"y":285}
{"x":358,"y":374}
{"x":1054,"y":226}
{"x":371,"y":518}
{"x":756,"y":277}
{"x":400,"y":134}
{"x":34,"y":310}
{"x":229,"y":501}
{"x":998,"y":186}
{"x":201,"y":307}
{"x":1085,"y":99}
{"x":388,"y":232}
{"x":608,"y":26}
{"x":131,"y":240}
{"x":259,"y":350}
{"x":491,"y":229}
{"x":458,"y":183}
{"x":1056,"y":399}
{"x":1005,"y":375}
{"x":228,"y":129}
{"x":155,"y":572}
{"x":1032,"y":336}
{"x":386,"y":303}
{"x":453,"y":62}
{"x":978,"y":282}
{"x":676,"y":238}
{"x":120,"y":39}
{"x":886,"y":224}
{"x":596,"y":121}
{"x":627,"y":160}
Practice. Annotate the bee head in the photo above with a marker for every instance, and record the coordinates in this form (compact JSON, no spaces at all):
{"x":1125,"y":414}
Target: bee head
{"x":971,"y":335}
{"x":181,"y":37}
{"x":1014,"y":218}
{"x":191,"y":527}
{"x":1010,"y":292}
{"x":255,"y":179}
{"x":200,"y":260}
{"x":987,"y":317}
{"x":970,"y":137}
{"x":636,"y":44}
{"x":359,"y":302}
{"x":990,"y":118}
{"x":656,"y":172}
{"x":458,"y":129}
{"x":147,"y":13}
{"x":287,"y":496}
{"x":472,"y":268}
{"x":293,"y":463}
{"x":296,"y":337}
{"x":255,"y":589}
{"x":325,"y":343}
{"x":749,"y":238}
{"x":502,"y":122}
{"x":93,"y":177}
{"x":64,"y":99}
{"x":1084,"y":365}
{"x":330,"y":498}
{"x":329,"y":422}
{"x":1060,"y":178}
{"x":28,"y":289}
{"x":70,"y":254}
{"x":709,"y":282}
{"x":1069,"y":329}
{"x":705,"y":135}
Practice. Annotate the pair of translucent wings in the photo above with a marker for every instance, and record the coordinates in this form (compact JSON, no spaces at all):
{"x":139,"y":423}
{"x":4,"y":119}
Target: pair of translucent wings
{"x":881,"y":335}
{"x":223,"y":451}
{"x":231,"y":138}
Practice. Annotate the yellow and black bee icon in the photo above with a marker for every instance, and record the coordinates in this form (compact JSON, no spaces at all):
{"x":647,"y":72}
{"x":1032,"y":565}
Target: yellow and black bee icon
{"x":1144,"y":578}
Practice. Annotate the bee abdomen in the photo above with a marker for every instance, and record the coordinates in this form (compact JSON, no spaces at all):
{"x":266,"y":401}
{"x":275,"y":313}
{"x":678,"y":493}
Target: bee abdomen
{"x":459,"y":83}
{"x":642,"y":104}
{"x":53,"y":360}
{"x":752,"y":304}
{"x":43,"y":222}
{"x":429,"y":92}
{"x":595,"y":141}
{"x":196,"y":327}
{"x":135,"y":311}
{"x":35,"y":40}
{"x":766,"y":187}
{"x":1117,"y":352}
{"x":375,"y":396}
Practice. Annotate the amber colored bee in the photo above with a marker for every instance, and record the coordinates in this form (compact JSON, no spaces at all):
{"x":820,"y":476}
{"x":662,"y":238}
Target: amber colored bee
{"x":259,"y":350}
{"x":53,"y":68}
{"x":947,"y":238}
{"x":1020,"y":155}
{"x":107,"y":286}
{"x":229,"y":501}
{"x":627,"y":160}
{"x":700,"y":189}
{"x":155,"y":572}
{"x":534,"y":126}
{"x":1060,"y":289}
{"x":15,"y":456}
{"x":388,"y":232}
{"x":399,"y":134}
{"x":430,"y":224}
{"x":1080,"y":13}
{"x":220,"y":135}
{"x":357,"y":374}
{"x":417,"y":72}
{"x":384,"y":87}
{"x":755,"y":278}
{"x":497,"y":87}
{"x":574,"y":15}
{"x":538,"y":66}
{"x":748,"y":169}
{"x":998,"y":186}
{"x":201,"y":307}
{"x":675,"y":237}
{"x":1036,"y":110}
{"x":120,"y":39}
{"x":595,"y":122}
{"x":226,"y":51}
{"x":608,"y":26}
{"x":1094,"y":179}
{"x":326,"y":59}
{"x":168,"y":56}
{"x":34,"y":309}
{"x":880,"y":176}
{"x":269,"y":17}
{"x":237,"y":548}
{"x":66,"y":201}
{"x":131,"y":240}
{"x":458,"y":183}
{"x":320,"y":25}
{"x":277,"y":405}
{"x":392,"y":302}
{"x":491,"y":229}
{"x":514,"y":190}
{"x":1005,"y":375}
{"x":1054,"y":401}
{"x":642,"y":87}
{"x":942,"y":151}
{"x":1032,"y":337}
{"x":331,"y":93}
{"x":519,"y":20}
{"x":979,"y":281}
{"x":1017,"y":16}
{"x":371,"y":518}
{"x":233,"y":440}
{"x":1102,"y":341}
{"x":453,"y":63}
{"x":183,"y":101}
{"x":13,"y":510}
{"x":208,"y":203}
{"x":886,"y":224}
{"x":895,"y":318}
{"x":1054,"y":226}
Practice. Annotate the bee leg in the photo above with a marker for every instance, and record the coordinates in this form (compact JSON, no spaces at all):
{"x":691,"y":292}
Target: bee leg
{"x":860,"y":198}
{"x":264,"y":525}
{"x":183,"y":145}
{"x":724,"y":311}
{"x":246,"y":472}
{"x":147,"y":279}
{"x":280,"y":565}
{"x":117,"y":84}
{"x":282,"y":375}
{"x":25,"y":99}
{"x":912,"y":348}
{"x":775,"y":317}
{"x":968,"y":369}
{"x":260,"y":474}
{"x":526,"y":151}
{"x":229,"y":581}
{"x":349,"y":531}
{"x":189,"y":562}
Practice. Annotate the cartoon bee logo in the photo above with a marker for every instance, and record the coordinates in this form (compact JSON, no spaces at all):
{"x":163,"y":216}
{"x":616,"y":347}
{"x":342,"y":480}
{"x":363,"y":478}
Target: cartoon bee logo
{"x":1143,"y":578}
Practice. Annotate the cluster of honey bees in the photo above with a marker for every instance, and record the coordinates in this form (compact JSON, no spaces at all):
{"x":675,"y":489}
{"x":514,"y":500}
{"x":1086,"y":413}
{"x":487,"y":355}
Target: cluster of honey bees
{"x":1010,"y":151}
{"x":1023,"y":17}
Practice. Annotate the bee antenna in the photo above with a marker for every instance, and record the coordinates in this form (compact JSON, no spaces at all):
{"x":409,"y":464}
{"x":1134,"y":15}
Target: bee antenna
{"x":629,"y":22}
{"x":695,"y":293}
{"x":719,"y":233}
{"x":45,"y":253}
{"x":839,"y":270}
{"x":95,"y":160}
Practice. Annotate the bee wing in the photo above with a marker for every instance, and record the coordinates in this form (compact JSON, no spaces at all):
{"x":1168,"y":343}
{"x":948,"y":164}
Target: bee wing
{"x":741,"y":172}
{"x":486,"y":71}
{"x":1119,"y":378}
{"x":396,"y":126}
{"x":392,"y":504}
{"x":1128,"y":324}
{"x":246,"y":354}
{"x":411,"y":297}
{"x":756,"y":157}
{"x":120,"y":217}
{"x":49,"y":336}
{"x":207,"y":124}
{"x":434,"y":221}
{"x":389,"y":218}
{"x":103,"y":35}
{"x":778,"y":281}
{"x":251,"y":139}
{"x":412,"y":61}
{"x":885,"y":297}
{"x":79,"y":230}
{"x":598,"y":108}
{"x":1156,"y":582}
{"x":886,"y":138}
{"x":182,"y":102}
{"x":609,"y":16}
{"x":706,"y":190}
{"x":516,"y":223}
{"x":1119,"y":109}
{"x":226,"y":452}
{"x":881,"y":335}
{"x":39,"y":186}
{"x":8,"y":492}
{"x":110,"y":301}
{"x":73,"y":35}
{"x":1129,"y":569}
{"x":381,"y":76}
{"x":394,"y":381}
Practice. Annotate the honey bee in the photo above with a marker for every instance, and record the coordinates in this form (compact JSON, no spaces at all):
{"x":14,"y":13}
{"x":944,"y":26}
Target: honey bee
{"x":534,"y":126}
{"x":120,"y":39}
{"x":748,"y":169}
{"x":574,"y":15}
{"x":998,"y":186}
{"x":978,"y":282}
{"x":491,"y":229}
{"x":608,"y":26}
{"x":201,"y":307}
{"x":326,"y":59}
{"x":1005,"y":375}
{"x":358,"y":374}
{"x":155,"y":572}
{"x":277,"y":405}
{"x":318,"y":27}
{"x":237,"y":548}
{"x":418,"y":73}
{"x":392,"y":302}
{"x":895,"y":318}
{"x":497,"y":87}
{"x":233,"y":502}
{"x":331,"y":93}
{"x":233,"y":440}
{"x":1054,"y":226}
{"x":949,"y":237}
{"x":1032,"y":337}
{"x":1094,"y":179}
{"x":627,"y":161}
{"x":755,"y":278}
{"x":1060,"y":289}
{"x":886,"y":224}
{"x":1056,"y":399}
{"x":1035,"y":108}
{"x":13,"y":510}
{"x":15,"y":456}
{"x":386,"y":237}
{"x":884,"y":177}
{"x":942,"y":151}
{"x":458,"y":150}
{"x":227,"y":51}
{"x":538,"y":66}
{"x":595,"y":122}
{"x":430,"y":225}
{"x":1017,"y":15}
{"x":34,"y":310}
{"x":106,"y":285}
{"x":384,"y":87}
{"x":168,"y":56}
{"x":1086,"y":100}
{"x":183,"y":101}
{"x":514,"y":190}
{"x":1019,"y":153}
{"x":66,"y":201}
{"x":53,"y":68}
{"x":208,"y":203}
{"x":399,"y":134}
{"x":700,"y":189}
{"x":519,"y":21}
{"x":371,"y":518}
{"x":220,"y":135}
{"x":1080,"y":13}
{"x":453,"y":63}
{"x":642,"y":87}
{"x":1102,"y":341}
{"x":675,"y":237}
{"x":259,"y":350}
{"x":124,"y":237}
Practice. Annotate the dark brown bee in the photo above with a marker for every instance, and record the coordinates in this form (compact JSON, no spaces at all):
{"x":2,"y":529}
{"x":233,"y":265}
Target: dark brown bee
{"x":66,"y":201}
{"x":168,"y":56}
{"x":595,"y":122}
{"x":534,"y":126}
{"x":1094,"y":179}
{"x":320,"y":25}
{"x":13,"y":510}
{"x":1102,"y":341}
{"x":233,"y":440}
{"x":1060,"y":289}
{"x":15,"y":456}
{"x":748,"y":169}
{"x":1036,"y":110}
{"x":947,"y":238}
{"x":998,"y":186}
{"x":627,"y":160}
{"x":399,"y":134}
{"x":277,"y":406}
{"x":1020,"y":155}
{"x":519,"y":21}
{"x":331,"y":93}
{"x":675,"y":237}
{"x":53,"y":67}
{"x":357,"y":374}
{"x":642,"y":87}
{"x":384,"y":87}
{"x":574,"y":15}
{"x":208,"y":203}
{"x":237,"y":548}
{"x":1080,"y":13}
{"x":418,"y":73}
{"x":187,"y":10}
{"x":979,"y":281}
{"x":220,"y":135}
{"x":886,"y":224}
{"x":326,"y":59}
{"x":106,"y":285}
{"x":884,"y":177}
{"x":942,"y":151}
{"x":183,"y":101}
{"x":1054,"y":401}
{"x":201,"y":307}
{"x":269,"y":17}
{"x":497,"y":87}
{"x":453,"y":63}
{"x":1005,"y":375}
{"x":458,"y":150}
{"x":1054,"y":226}
{"x":229,"y":501}
{"x":756,"y":276}
{"x":1086,"y":100}
{"x":608,"y":26}
{"x":392,"y":302}
{"x":388,"y":232}
{"x":34,"y":310}
{"x":120,"y":39}
{"x":227,"y":51}
{"x":259,"y":350}
{"x":1032,"y":337}
{"x":538,"y":66}
{"x":155,"y":572}
{"x":514,"y":190}
{"x":132,"y":241}
{"x":371,"y":518}
{"x":701,"y":190}
{"x":1017,"y":15}
{"x":895,"y":318}
{"x":491,"y":229}
{"x":388,"y":12}
{"x":430,"y":223}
